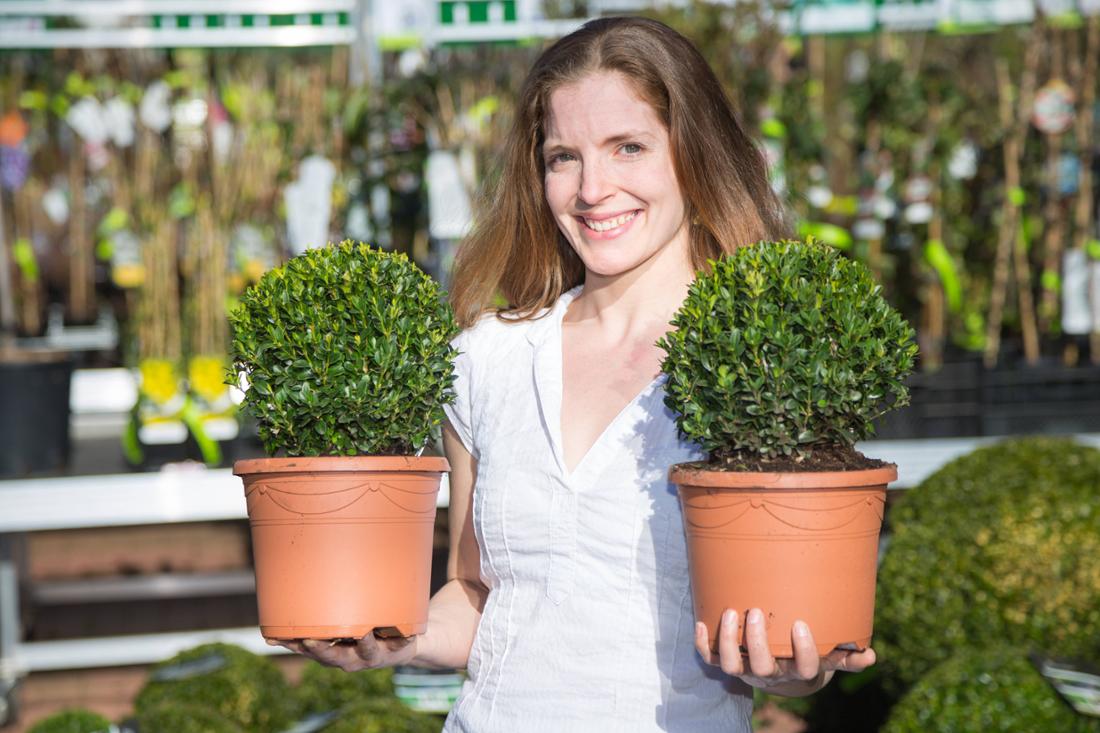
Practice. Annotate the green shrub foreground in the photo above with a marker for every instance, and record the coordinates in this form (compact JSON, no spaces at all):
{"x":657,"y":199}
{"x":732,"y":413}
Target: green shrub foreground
{"x":245,"y":689}
{"x":322,"y":689}
{"x":347,"y":352}
{"x":991,"y":690}
{"x":191,"y":718}
{"x":383,"y":716}
{"x":999,"y":546}
{"x":72,"y":721}
{"x":781,"y":348}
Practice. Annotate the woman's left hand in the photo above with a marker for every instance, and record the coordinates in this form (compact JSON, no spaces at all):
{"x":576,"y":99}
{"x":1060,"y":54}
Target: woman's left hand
{"x":805,"y":673}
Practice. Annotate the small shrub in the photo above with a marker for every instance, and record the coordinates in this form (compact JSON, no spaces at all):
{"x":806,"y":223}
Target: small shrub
{"x":998,"y":546}
{"x":326,"y":688}
{"x":991,"y":690}
{"x":783,"y":348}
{"x":383,"y":716}
{"x":347,"y":352}
{"x":242,"y":687}
{"x":72,"y":721}
{"x":179,"y":718}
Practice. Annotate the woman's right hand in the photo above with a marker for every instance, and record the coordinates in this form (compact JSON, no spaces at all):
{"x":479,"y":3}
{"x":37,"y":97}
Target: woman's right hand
{"x":352,"y":656}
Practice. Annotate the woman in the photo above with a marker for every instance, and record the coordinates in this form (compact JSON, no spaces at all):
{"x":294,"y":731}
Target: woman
{"x":568,"y":600}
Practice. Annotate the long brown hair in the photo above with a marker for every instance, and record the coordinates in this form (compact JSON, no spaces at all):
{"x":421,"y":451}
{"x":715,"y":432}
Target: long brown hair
{"x":516,"y":250}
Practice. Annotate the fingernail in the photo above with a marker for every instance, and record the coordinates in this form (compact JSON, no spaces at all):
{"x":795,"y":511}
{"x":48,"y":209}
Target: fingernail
{"x":756,"y":616}
{"x":729,"y":618}
{"x":801,"y":630}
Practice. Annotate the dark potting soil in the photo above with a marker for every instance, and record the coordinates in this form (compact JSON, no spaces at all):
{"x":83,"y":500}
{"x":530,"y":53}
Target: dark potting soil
{"x":824,"y":458}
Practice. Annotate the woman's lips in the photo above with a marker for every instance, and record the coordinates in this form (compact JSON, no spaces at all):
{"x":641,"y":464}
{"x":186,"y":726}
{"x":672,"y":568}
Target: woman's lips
{"x":608,"y":227}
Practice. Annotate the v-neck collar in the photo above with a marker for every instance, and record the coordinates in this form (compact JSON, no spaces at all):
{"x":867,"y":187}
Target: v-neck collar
{"x":545,"y":336}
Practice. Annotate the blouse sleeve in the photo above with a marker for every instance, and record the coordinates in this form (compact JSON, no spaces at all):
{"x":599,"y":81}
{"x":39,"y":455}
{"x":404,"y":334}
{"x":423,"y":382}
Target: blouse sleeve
{"x":459,"y":412}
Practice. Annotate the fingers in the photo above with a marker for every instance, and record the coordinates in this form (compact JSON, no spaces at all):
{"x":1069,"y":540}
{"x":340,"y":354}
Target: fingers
{"x":729,"y":643}
{"x":293,"y":645}
{"x":761,"y":661}
{"x":702,"y":642}
{"x":759,"y":666}
{"x":333,"y":654}
{"x":846,"y":661}
{"x":807,"y":663}
{"x":373,"y":650}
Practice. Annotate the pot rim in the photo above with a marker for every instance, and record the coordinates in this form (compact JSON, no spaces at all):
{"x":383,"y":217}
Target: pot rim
{"x":319,"y":464}
{"x":681,"y":475}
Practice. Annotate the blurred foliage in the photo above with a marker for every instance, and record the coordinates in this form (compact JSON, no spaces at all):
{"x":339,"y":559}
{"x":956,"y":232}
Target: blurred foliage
{"x":245,"y":689}
{"x":72,"y":721}
{"x":999,"y":546}
{"x":322,"y":689}
{"x":993,"y":690}
{"x":383,"y":716}
{"x":186,"y":718}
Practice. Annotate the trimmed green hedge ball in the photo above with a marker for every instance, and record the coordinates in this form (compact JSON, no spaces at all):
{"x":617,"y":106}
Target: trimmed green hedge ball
{"x":383,"y":716}
{"x":783,"y":348}
{"x":326,"y":688}
{"x":347,"y":352}
{"x":72,"y":721}
{"x":242,"y":687}
{"x":184,"y":719}
{"x":999,"y":546}
{"x":992,"y":690}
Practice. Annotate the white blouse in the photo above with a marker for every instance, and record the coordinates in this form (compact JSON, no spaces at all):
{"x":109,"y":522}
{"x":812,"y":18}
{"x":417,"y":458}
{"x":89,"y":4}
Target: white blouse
{"x":589,"y":623}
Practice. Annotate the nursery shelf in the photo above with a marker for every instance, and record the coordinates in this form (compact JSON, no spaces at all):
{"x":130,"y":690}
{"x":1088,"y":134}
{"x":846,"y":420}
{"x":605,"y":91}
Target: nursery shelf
{"x":143,"y":587}
{"x":116,"y":651}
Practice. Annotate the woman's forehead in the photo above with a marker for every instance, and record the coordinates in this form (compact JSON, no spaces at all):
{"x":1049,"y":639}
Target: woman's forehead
{"x":600,"y":107}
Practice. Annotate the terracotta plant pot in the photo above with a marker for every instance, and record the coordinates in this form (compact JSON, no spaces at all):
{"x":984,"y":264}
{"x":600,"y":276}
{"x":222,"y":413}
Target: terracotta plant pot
{"x":795,"y":545}
{"x":342,"y":546}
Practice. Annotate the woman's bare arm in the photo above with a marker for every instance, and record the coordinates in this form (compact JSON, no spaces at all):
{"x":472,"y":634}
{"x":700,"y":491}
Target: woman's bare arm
{"x":455,"y":609}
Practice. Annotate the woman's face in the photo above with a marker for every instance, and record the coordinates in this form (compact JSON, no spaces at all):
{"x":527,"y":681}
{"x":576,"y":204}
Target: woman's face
{"x":609,"y":178}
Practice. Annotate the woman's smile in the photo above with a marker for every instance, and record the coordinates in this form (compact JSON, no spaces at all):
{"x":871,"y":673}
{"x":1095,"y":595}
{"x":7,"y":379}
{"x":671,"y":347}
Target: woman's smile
{"x":608,"y":227}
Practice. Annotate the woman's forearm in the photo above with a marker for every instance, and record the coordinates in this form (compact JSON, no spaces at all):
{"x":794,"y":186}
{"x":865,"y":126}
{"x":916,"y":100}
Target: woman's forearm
{"x":453,"y":616}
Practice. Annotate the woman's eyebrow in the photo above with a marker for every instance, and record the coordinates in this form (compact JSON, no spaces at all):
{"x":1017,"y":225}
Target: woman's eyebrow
{"x":621,"y":137}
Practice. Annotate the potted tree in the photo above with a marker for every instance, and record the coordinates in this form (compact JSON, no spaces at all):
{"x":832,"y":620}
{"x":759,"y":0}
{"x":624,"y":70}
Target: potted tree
{"x":346,"y":351}
{"x":781,"y":357}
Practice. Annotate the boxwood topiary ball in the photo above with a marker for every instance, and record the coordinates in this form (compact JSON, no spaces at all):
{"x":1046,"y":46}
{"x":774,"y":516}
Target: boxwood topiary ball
{"x":991,"y":690}
{"x":236,"y":684}
{"x":326,"y":688}
{"x":347,"y":352}
{"x":383,"y":716}
{"x":783,"y":348}
{"x":191,"y":718}
{"x":72,"y":721}
{"x":1000,"y":545}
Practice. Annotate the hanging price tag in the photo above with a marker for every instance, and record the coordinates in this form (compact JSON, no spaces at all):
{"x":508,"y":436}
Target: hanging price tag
{"x":1053,"y":110}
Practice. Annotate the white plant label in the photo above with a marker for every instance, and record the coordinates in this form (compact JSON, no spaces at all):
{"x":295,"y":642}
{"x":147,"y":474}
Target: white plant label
{"x":155,"y":111}
{"x":309,"y":204}
{"x":1075,"y":293}
{"x":449,"y":213}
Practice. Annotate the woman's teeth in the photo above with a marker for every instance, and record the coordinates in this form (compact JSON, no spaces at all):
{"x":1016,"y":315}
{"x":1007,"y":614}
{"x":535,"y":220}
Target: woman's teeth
{"x":604,"y":225}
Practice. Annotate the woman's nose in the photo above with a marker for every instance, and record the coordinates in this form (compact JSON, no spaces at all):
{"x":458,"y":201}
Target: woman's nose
{"x":595,"y":184}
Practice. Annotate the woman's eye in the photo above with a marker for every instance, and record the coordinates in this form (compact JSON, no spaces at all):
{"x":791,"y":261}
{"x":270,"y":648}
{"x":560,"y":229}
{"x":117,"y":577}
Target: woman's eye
{"x":558,"y":158}
{"x":632,"y":148}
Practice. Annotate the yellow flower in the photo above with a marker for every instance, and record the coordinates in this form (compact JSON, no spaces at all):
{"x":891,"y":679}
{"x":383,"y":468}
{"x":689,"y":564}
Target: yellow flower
{"x":207,"y":375}
{"x":158,"y":380}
